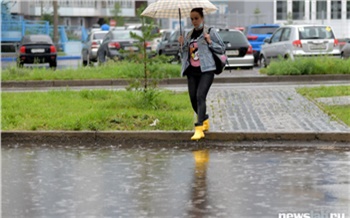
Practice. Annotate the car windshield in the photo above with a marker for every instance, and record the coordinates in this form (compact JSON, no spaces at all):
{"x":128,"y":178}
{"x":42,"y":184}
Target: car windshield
{"x":263,"y":30}
{"x":125,"y":34}
{"x":314,"y":32}
{"x":234,"y":38}
{"x":37,"y":39}
{"x":99,"y":35}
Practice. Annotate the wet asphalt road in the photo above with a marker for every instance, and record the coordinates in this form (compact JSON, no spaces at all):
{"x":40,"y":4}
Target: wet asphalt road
{"x":174,"y":181}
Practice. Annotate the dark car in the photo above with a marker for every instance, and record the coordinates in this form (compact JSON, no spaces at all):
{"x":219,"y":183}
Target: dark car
{"x":116,"y":41}
{"x":37,"y":49}
{"x":163,"y":41}
{"x":345,"y":52}
{"x":238,"y":50}
{"x":343,"y":42}
{"x":256,"y":34}
{"x":171,"y":47}
{"x":91,"y":45}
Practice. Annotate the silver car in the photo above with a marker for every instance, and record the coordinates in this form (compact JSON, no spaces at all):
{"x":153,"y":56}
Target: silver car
{"x":345,"y":52}
{"x":299,"y":41}
{"x":91,"y":45}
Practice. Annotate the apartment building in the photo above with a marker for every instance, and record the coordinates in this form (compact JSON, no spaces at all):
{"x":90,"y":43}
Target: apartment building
{"x":231,"y":13}
{"x":76,"y":12}
{"x":335,"y":13}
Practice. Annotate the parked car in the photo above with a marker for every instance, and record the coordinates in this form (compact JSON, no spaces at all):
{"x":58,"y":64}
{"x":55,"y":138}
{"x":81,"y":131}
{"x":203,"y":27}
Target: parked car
{"x":238,"y":50}
{"x":91,"y":45}
{"x":37,"y":49}
{"x":117,"y":40}
{"x":163,"y":41}
{"x":172,"y":45}
{"x":256,"y":35}
{"x":342,"y":42}
{"x":300,"y":40}
{"x":345,"y":52}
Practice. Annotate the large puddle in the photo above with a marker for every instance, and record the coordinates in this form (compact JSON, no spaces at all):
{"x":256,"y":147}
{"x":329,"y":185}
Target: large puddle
{"x":138,"y":181}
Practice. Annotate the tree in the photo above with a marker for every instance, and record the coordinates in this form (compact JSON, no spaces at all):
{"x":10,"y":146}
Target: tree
{"x":116,"y":11}
{"x":257,"y":15}
{"x":147,"y":36}
{"x":47,"y":17}
{"x":55,"y":22}
{"x":289,"y":18}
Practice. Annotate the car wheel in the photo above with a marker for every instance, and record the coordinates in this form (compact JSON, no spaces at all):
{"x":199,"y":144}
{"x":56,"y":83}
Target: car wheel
{"x":53,"y":64}
{"x":84,"y":60}
{"x":263,"y":61}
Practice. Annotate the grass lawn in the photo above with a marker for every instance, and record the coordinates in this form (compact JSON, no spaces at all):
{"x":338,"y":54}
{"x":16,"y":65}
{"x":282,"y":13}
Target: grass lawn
{"x":341,"y":112}
{"x":96,"y":110}
{"x":109,"y":70}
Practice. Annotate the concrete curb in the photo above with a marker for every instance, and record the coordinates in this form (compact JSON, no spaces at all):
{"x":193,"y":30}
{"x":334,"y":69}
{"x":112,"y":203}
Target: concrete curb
{"x":123,"y":82}
{"x":112,"y":137}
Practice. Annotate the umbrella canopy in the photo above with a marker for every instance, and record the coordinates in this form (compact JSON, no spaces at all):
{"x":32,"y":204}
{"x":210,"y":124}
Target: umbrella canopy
{"x":177,"y":8}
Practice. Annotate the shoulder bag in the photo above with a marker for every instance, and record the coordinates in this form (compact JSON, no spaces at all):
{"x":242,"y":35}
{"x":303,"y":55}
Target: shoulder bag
{"x":220,"y":60}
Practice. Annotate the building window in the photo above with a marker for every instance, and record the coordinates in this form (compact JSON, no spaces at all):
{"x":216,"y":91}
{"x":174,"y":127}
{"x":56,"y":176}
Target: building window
{"x":336,"y":10}
{"x":348,"y":10}
{"x":321,"y":10}
{"x":298,"y":10}
{"x":281,"y":10}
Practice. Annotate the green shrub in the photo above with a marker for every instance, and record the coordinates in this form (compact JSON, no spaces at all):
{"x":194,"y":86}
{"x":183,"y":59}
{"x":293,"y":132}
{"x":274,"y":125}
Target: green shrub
{"x":308,"y":66}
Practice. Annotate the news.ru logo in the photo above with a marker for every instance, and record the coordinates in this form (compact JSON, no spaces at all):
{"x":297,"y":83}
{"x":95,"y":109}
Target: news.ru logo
{"x":312,"y":214}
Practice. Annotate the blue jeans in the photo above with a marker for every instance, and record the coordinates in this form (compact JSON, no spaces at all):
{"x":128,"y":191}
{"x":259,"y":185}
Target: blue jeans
{"x":198,"y":88}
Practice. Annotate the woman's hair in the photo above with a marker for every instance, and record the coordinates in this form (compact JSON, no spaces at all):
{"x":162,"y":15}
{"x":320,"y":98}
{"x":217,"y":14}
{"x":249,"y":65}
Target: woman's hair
{"x":199,"y":11}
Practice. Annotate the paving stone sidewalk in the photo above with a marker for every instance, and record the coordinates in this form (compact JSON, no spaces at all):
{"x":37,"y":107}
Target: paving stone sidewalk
{"x":267,"y":109}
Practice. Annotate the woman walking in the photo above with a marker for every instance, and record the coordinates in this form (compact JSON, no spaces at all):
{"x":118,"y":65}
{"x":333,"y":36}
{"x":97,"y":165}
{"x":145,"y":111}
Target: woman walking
{"x":198,"y":65}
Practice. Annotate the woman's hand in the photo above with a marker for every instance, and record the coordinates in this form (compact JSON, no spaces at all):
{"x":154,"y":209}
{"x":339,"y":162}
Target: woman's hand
{"x":207,"y":38}
{"x":181,"y":40}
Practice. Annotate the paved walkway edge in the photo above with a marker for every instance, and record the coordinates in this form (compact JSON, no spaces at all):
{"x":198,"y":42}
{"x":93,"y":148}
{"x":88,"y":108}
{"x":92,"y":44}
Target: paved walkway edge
{"x":88,"y":137}
{"x":218,"y":79}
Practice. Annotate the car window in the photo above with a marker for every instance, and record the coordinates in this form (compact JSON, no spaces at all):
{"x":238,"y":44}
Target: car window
{"x":165,"y":36}
{"x":315,"y":32}
{"x":37,"y":39}
{"x":276,"y":36}
{"x":125,"y":34}
{"x":99,"y":35}
{"x":234,"y":38}
{"x":174,"y":36}
{"x":286,"y":34}
{"x":263,"y":30}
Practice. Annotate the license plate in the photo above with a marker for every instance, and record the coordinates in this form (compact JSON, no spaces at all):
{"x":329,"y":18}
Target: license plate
{"x":318,"y":47}
{"x":131,"y":48}
{"x":232,"y":52}
{"x":38,"y":50}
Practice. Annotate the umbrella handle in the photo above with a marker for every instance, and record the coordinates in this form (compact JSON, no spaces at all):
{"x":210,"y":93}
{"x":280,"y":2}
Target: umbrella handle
{"x":180,"y":21}
{"x":180,"y":28}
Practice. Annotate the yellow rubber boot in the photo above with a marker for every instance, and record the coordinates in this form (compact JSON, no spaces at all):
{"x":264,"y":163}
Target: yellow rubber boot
{"x":206,"y":125}
{"x":198,"y":133}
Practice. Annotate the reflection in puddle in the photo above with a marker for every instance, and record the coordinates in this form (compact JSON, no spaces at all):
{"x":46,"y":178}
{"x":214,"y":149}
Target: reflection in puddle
{"x":138,"y":181}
